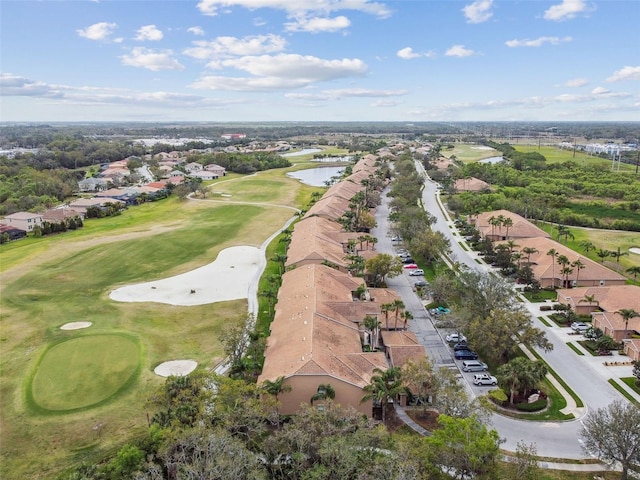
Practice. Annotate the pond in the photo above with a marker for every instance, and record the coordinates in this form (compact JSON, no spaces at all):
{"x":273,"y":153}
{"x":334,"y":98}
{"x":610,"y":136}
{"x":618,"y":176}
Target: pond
{"x":316,"y":177}
{"x":492,"y":160}
{"x":304,"y":151}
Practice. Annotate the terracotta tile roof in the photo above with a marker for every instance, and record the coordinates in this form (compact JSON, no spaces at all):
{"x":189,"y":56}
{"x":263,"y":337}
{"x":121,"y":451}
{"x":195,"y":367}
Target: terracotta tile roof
{"x":329,"y":207}
{"x":309,"y":334}
{"x":609,"y":299}
{"x":316,"y":239}
{"x":345,"y":190}
{"x":23,"y":216}
{"x":543,"y":264}
{"x":402,"y":354}
{"x":59,"y":214}
{"x":615,"y":321}
{"x":471,"y":185}
{"x":393,"y":338}
{"x":521,"y":227}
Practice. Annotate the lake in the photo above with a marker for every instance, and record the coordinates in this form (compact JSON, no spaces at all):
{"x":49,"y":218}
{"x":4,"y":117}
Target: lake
{"x":316,"y":176}
{"x":491,"y":160}
{"x":304,"y":151}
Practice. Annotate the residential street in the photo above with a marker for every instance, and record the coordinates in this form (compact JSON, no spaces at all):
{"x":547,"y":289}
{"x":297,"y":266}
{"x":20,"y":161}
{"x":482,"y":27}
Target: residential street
{"x":552,"y":439}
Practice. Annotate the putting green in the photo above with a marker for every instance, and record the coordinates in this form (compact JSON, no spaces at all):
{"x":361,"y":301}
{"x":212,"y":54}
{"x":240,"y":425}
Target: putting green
{"x":84,"y":371}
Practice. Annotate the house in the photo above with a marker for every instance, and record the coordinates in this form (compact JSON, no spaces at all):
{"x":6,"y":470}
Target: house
{"x":60,"y":215}
{"x":193,"y":167}
{"x":519,"y":228}
{"x":400,"y":346}
{"x":14,"y":233}
{"x":612,"y":324}
{"x":203,"y":175}
{"x":92,"y":184}
{"x":313,"y":343}
{"x":471,"y":184}
{"x":548,"y":272}
{"x":216,"y":169}
{"x":631,"y":349}
{"x":127,"y":196}
{"x":82,"y":204}
{"x":23,"y":220}
{"x":602,"y":298}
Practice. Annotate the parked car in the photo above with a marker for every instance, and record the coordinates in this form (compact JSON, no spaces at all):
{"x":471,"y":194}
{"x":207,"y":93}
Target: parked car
{"x":455,"y":337}
{"x":484,"y":379}
{"x":461,"y":346}
{"x":416,"y":273}
{"x":580,"y":327}
{"x":396,"y":238}
{"x":411,"y":265}
{"x":407,"y":260}
{"x":421,"y":283}
{"x":474,"y":366}
{"x":465,"y":355}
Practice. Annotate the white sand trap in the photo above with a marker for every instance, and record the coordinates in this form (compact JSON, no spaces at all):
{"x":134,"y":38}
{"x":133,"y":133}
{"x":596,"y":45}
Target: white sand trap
{"x":635,"y":250}
{"x":75,"y":325}
{"x":177,"y":368}
{"x":227,"y":278}
{"x":481,"y":148}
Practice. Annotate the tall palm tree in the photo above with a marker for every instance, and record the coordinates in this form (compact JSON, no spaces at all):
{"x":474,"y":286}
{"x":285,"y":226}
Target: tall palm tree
{"x":385,"y":308}
{"x":275,"y":388}
{"x":492,"y":222}
{"x":553,"y":254}
{"x":406,"y":316}
{"x":565,"y":272}
{"x":507,"y":223}
{"x":512,"y":245}
{"x":577,"y":264}
{"x":563,"y":231}
{"x":372,"y":324}
{"x":590,"y":299}
{"x":602,"y":254}
{"x":563,"y":261}
{"x":627,"y":314}
{"x":617,"y":254}
{"x":528,"y":251}
{"x":384,"y":385}
{"x":398,"y":305}
{"x":280,"y":259}
{"x":635,"y":271}
{"x":325,"y":391}
{"x":587,"y":246}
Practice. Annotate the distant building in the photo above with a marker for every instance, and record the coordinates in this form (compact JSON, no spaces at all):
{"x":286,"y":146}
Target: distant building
{"x":233,"y":136}
{"x":23,"y":220}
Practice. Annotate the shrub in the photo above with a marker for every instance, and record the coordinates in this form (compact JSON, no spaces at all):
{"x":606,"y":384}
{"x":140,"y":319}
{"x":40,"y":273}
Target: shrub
{"x":545,"y":308}
{"x":498,"y":396}
{"x":533,"y":406}
{"x":560,"y":307}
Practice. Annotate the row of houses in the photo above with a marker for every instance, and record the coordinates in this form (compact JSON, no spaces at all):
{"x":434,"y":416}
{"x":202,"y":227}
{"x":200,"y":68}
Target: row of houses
{"x":590,"y":289}
{"x":317,"y":337}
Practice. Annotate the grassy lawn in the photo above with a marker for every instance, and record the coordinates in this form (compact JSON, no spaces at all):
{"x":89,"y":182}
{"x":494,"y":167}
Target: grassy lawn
{"x":574,"y":348}
{"x":83,"y":371}
{"x":471,"y":153}
{"x":632,"y":382}
{"x":556,"y":402}
{"x":623,"y":392}
{"x":50,"y":281}
{"x":558,"y":155}
{"x":540,"y":296}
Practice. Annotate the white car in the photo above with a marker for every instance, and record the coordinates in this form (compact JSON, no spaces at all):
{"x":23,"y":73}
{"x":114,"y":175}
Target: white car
{"x":416,"y":272}
{"x":455,"y":338}
{"x":580,"y":327}
{"x":484,"y":379}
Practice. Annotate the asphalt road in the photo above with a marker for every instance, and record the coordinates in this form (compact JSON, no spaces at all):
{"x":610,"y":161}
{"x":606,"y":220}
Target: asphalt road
{"x":552,"y":439}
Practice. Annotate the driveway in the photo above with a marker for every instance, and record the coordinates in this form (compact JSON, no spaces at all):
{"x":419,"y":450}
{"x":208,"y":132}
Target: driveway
{"x":552,"y":439}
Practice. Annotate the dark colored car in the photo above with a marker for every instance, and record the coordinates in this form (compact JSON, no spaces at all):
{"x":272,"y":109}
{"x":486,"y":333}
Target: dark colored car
{"x":408,"y":260}
{"x":465,"y":355}
{"x":461,"y":346}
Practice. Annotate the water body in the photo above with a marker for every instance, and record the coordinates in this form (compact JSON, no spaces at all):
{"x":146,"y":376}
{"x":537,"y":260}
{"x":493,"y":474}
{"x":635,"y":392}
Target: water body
{"x":492,"y":160}
{"x":316,"y":176}
{"x":346,"y":158}
{"x":304,"y":151}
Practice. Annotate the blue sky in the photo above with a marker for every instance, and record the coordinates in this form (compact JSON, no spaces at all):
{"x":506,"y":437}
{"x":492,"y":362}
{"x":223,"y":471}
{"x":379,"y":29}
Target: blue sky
{"x":319,"y":60}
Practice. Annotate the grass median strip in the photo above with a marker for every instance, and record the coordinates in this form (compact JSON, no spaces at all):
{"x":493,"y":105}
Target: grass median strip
{"x":623,"y":392}
{"x":573,"y":394}
{"x":574,"y":348}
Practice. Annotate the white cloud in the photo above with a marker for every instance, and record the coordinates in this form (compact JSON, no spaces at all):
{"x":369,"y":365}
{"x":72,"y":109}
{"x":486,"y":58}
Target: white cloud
{"x":298,"y":7}
{"x":149,"y":32}
{"x":625,"y":73}
{"x":98,"y":31}
{"x":318,"y":24}
{"x":151,"y":60}
{"x":600,"y":91}
{"x":281,"y":72}
{"x":576,"y":82}
{"x":196,"y":31}
{"x":384,"y":104}
{"x":337,"y":94}
{"x":538,"y":42}
{"x":407,"y":53}
{"x":566,"y":10}
{"x":478,"y":11}
{"x":223,"y":47}
{"x":458,"y":51}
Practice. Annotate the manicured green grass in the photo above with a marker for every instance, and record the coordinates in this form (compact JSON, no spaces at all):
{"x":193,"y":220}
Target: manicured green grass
{"x":463,"y":246}
{"x":551,"y":371}
{"x":574,"y":348}
{"x":540,"y":295}
{"x":468,"y":153}
{"x":558,"y":155}
{"x":544,"y":320}
{"x":556,"y":402}
{"x":53,"y":280}
{"x":632,"y":382}
{"x":623,"y":392}
{"x":84,"y":371}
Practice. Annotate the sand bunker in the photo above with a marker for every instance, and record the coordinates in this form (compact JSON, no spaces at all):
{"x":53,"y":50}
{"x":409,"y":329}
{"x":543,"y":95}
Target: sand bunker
{"x":482,"y":147}
{"x":227,"y":278}
{"x":75,"y":325}
{"x":635,"y":250}
{"x":177,"y":368}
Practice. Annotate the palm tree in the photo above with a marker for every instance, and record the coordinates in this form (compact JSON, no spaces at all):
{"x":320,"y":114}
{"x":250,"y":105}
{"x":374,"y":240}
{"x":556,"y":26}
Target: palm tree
{"x":275,"y":388}
{"x":500,"y":222}
{"x":386,"y":308}
{"x":372,"y":324}
{"x":508,"y":223}
{"x":520,"y":374}
{"x":627,"y":314}
{"x":325,"y":390}
{"x":587,"y":246}
{"x":280,"y":259}
{"x":565,"y":272}
{"x":398,"y":305}
{"x":579,"y":265}
{"x":384,"y":385}
{"x":493,"y":222}
{"x":617,"y":254}
{"x":512,"y":245}
{"x":563,"y":231}
{"x":590,"y":299}
{"x":634,"y":271}
{"x":406,"y":316}
{"x":554,"y":254}
{"x":528,"y":251}
{"x":602,"y":254}
{"x":270,"y":294}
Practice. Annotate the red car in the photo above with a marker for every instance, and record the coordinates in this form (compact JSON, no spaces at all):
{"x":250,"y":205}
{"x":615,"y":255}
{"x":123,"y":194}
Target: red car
{"x":411,"y":265}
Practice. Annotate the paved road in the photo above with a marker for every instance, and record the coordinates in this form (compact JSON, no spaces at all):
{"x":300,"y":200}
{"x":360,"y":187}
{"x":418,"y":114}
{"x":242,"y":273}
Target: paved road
{"x":552,"y":439}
